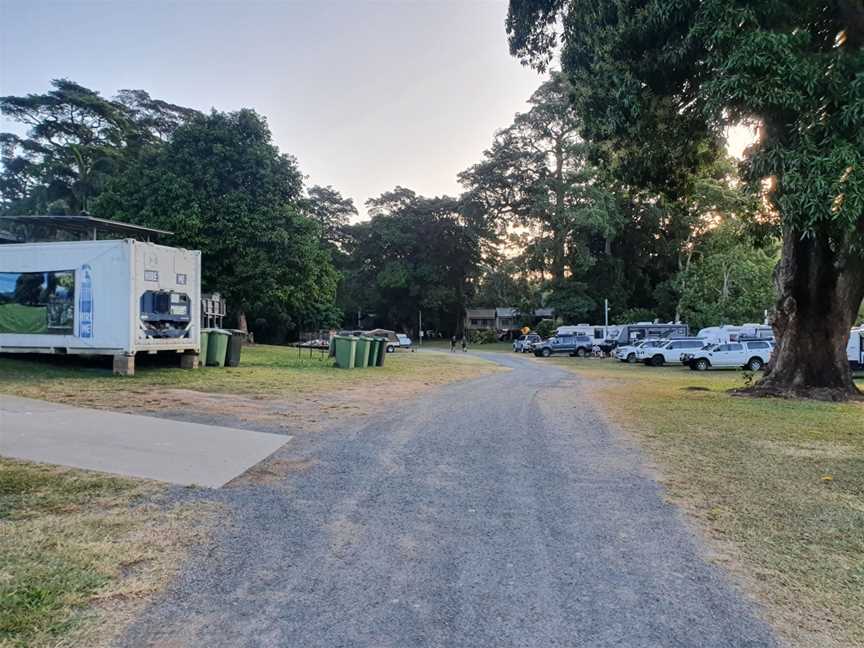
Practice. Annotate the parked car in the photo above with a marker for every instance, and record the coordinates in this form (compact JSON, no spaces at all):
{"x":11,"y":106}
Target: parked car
{"x":628,"y":353}
{"x":523,"y":343}
{"x":752,"y":355}
{"x":405,"y":342}
{"x":669,"y":351}
{"x":685,"y":357}
{"x":573,"y":345}
{"x":394,"y":339}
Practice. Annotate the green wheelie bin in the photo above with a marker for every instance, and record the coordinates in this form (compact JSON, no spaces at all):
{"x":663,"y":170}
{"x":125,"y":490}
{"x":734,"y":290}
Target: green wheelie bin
{"x":217,"y":347}
{"x":373,"y":352}
{"x":202,"y":353}
{"x":380,"y":352}
{"x":344,"y":348}
{"x":364,"y":346}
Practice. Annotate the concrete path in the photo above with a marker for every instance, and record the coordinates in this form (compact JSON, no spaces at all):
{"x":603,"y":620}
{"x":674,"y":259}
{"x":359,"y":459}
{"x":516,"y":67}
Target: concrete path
{"x":136,"y":446}
{"x":497,"y":513}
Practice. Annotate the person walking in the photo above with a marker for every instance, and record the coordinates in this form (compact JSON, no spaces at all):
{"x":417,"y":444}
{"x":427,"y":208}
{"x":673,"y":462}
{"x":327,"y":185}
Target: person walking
{"x":464,"y":344}
{"x":453,"y":344}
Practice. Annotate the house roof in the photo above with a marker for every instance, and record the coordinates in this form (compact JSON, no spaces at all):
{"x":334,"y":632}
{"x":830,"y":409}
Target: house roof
{"x":544,"y":312}
{"x":83,"y":224}
{"x":480,"y":313}
{"x":507,"y":311}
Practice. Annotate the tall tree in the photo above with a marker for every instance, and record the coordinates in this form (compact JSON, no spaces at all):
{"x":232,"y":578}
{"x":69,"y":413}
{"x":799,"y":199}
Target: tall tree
{"x":728,"y":280}
{"x":660,"y":80}
{"x":331,"y":211}
{"x":223,"y":187}
{"x":76,"y":141}
{"x":415,"y":254}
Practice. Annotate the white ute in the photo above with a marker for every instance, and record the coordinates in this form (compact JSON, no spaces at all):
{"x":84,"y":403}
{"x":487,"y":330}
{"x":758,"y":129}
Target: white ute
{"x":669,"y":352}
{"x":752,"y":355}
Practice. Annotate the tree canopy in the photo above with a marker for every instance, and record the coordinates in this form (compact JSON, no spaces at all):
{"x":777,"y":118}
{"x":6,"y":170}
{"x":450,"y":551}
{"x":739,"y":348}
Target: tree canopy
{"x":659,"y":81}
{"x":223,"y":187}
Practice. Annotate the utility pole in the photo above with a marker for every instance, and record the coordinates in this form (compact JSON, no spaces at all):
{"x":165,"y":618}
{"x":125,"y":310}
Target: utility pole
{"x":420,"y":327}
{"x":606,"y":323}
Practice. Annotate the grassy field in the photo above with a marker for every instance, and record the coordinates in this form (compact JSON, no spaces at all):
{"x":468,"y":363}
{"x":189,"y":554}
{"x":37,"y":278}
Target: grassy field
{"x":776,"y":486}
{"x":80,"y":552}
{"x":266,"y":373}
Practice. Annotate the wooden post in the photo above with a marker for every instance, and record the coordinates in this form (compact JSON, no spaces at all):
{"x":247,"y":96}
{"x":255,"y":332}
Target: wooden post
{"x":124,"y":365}
{"x":189,"y":360}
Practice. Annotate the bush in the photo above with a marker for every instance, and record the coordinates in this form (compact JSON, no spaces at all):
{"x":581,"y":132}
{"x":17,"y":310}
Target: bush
{"x":482,"y":337}
{"x":545,"y":328}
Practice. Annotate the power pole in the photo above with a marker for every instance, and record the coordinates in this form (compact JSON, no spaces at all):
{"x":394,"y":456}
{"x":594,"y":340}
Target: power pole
{"x":606,"y":323}
{"x":420,"y":327}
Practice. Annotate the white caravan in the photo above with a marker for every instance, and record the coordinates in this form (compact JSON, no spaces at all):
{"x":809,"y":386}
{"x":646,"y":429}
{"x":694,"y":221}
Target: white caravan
{"x":731,"y":333}
{"x":597,"y":332}
{"x":855,"y":348}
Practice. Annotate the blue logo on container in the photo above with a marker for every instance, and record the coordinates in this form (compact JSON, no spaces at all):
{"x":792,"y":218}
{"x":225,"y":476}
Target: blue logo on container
{"x":85,"y":303}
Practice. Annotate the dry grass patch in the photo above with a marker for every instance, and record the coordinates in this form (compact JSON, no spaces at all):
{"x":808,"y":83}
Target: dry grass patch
{"x":274,"y":385}
{"x":777,"y":487}
{"x":81,"y":552}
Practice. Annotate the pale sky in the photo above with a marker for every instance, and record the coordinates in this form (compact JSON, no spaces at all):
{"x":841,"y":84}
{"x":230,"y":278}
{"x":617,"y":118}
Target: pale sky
{"x":366,"y":95}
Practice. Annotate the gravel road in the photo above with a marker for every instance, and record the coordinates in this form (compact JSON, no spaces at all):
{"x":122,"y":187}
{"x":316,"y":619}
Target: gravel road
{"x":501,"y":512}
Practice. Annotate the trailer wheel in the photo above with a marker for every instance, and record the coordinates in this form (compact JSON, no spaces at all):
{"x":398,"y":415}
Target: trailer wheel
{"x":580,"y":352}
{"x":755,"y":364}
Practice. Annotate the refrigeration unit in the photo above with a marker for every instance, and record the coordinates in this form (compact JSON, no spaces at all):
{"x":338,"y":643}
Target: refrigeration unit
{"x":100,"y":297}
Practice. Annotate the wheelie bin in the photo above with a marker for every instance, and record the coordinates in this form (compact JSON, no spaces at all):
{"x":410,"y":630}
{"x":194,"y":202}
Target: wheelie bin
{"x":202,"y":353}
{"x":373,"y":351}
{"x":217,"y":347}
{"x":380,"y":352}
{"x":345,"y":348}
{"x":364,"y":346}
{"x":235,"y":347}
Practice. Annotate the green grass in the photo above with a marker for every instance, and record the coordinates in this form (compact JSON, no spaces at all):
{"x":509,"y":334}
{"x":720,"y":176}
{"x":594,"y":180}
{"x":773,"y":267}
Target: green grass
{"x":265,"y":372}
{"x":777,"y":485}
{"x":18,"y":318}
{"x":71,"y":538}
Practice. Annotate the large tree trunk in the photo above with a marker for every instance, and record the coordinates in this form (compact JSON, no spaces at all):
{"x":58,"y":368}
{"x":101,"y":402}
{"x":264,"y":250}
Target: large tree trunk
{"x":819,"y":292}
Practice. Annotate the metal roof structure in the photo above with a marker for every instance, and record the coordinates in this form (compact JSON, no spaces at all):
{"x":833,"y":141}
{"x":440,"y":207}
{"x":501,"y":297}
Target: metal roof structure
{"x":85,"y":225}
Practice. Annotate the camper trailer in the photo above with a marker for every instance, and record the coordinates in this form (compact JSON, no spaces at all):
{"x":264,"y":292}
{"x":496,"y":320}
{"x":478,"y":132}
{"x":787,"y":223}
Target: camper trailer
{"x":632,"y":333}
{"x":731,"y":333}
{"x":100,"y":297}
{"x":597,"y":332}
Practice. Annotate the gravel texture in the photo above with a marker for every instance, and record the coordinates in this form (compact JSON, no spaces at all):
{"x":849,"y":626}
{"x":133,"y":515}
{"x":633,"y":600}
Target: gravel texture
{"x":501,"y":512}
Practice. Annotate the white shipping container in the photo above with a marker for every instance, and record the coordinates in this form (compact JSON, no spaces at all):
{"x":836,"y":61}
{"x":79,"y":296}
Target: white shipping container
{"x":114,"y":297}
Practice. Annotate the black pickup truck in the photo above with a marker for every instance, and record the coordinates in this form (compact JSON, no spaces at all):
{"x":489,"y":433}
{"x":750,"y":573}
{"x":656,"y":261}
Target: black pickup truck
{"x":574,"y":345}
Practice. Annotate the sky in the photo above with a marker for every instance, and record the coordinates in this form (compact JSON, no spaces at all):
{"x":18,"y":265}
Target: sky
{"x":366,"y":95}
